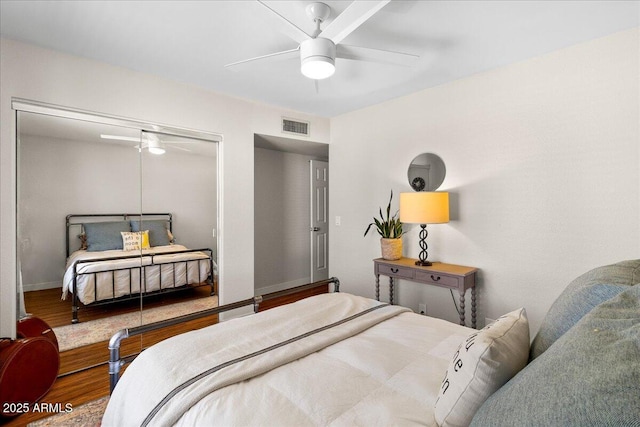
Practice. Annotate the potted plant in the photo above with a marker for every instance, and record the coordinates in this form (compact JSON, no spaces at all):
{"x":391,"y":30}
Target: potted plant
{"x":390,"y":230}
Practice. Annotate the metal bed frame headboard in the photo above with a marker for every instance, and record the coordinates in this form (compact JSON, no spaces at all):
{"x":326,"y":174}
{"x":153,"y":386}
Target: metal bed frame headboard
{"x":70,"y":221}
{"x":116,"y":363}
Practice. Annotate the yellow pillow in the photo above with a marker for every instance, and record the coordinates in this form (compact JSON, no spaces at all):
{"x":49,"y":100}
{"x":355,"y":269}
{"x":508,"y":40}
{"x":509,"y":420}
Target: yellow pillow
{"x":135,"y":240}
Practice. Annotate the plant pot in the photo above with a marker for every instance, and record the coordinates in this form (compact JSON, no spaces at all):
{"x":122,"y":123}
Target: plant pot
{"x":391,"y":248}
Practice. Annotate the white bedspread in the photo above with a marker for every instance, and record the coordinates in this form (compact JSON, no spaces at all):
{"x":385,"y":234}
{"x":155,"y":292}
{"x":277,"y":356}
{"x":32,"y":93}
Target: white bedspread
{"x":380,"y":368}
{"x":127,"y":279}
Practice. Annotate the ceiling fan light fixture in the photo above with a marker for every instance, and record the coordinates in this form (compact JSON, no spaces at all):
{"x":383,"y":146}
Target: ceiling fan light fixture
{"x":318,"y":68}
{"x":155,"y":146}
{"x":317,"y":58}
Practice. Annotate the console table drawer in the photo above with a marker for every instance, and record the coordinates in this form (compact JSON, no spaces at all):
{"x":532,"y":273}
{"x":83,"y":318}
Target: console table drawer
{"x":390,"y":271}
{"x":437,"y":278}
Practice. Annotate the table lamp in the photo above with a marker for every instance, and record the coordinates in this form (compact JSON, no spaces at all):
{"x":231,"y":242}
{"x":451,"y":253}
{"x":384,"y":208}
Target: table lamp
{"x":424,"y":207}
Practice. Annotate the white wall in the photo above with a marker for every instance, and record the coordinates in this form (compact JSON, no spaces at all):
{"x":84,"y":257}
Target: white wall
{"x":44,"y":75}
{"x":184,"y":184}
{"x":57,"y":178}
{"x":543,"y":161}
{"x":282,"y":211}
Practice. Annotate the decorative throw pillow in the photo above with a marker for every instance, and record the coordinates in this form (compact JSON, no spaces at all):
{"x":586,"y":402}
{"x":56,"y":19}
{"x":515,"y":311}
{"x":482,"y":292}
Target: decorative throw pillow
{"x":105,"y":236}
{"x":135,"y":240}
{"x":589,"y":377}
{"x":580,"y":296}
{"x":567,"y":310}
{"x":158,"y":235}
{"x":83,"y":241}
{"x":483,"y":362}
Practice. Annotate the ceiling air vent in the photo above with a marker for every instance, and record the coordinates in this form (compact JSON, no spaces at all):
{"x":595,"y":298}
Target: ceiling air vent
{"x":294,"y":126}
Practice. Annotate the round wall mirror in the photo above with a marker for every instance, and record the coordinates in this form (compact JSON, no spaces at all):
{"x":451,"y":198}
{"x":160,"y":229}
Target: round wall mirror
{"x":426,"y":172}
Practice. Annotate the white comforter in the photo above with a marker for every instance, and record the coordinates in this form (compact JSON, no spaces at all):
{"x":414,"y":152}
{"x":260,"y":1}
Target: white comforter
{"x":127,"y":278}
{"x":383,"y":367}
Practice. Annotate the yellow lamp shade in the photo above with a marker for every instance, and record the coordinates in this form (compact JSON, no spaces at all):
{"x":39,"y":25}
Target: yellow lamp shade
{"x":424,"y":207}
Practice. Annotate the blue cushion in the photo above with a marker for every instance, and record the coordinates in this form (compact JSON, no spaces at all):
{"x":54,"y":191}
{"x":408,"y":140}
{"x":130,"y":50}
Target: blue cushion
{"x":158,"y":235}
{"x":580,"y":296}
{"x":105,"y":236}
{"x":589,"y":377}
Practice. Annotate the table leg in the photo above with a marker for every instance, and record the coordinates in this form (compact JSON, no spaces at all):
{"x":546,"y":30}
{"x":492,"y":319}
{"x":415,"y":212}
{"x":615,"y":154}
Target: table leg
{"x":473,"y":307}
{"x":462,"y":306}
{"x":377,"y":287}
{"x":391,"y":290}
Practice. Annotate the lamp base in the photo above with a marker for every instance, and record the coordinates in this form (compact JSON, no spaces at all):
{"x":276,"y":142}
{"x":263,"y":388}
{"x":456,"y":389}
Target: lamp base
{"x":422,"y":259}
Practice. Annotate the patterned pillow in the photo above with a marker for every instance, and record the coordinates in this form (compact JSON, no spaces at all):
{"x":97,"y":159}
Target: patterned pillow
{"x":485,"y":361}
{"x":135,"y":240}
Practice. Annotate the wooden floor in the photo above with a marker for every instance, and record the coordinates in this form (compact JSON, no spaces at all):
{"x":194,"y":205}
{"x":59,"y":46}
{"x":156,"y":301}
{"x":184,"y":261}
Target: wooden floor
{"x":48,"y":306}
{"x":90,"y":384}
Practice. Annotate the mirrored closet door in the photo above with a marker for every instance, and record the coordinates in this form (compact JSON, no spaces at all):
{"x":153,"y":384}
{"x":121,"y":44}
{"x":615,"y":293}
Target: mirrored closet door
{"x":116,"y":227}
{"x":179,"y":204}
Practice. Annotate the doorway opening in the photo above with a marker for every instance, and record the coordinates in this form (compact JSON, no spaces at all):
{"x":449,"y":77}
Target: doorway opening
{"x":286,"y":241}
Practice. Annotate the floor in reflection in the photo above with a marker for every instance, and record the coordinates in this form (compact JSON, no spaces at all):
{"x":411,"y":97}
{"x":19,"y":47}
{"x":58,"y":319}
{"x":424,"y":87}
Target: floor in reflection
{"x":46,"y":304}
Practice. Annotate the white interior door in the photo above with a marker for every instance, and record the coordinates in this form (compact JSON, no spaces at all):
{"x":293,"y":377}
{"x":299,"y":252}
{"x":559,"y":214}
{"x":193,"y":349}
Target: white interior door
{"x":319,"y":220}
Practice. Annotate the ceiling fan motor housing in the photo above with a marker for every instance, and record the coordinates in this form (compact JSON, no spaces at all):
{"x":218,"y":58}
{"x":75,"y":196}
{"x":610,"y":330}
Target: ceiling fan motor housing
{"x":317,"y":58}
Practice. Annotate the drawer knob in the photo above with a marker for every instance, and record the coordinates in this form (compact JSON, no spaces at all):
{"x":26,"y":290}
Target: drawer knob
{"x":435,"y":279}
{"x":394,"y":270}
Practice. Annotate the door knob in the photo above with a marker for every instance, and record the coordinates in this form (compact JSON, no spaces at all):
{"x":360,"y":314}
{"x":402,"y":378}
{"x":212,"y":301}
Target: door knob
{"x":315,"y":228}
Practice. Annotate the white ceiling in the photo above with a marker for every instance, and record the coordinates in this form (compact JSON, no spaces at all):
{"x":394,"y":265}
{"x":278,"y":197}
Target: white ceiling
{"x":191,"y":41}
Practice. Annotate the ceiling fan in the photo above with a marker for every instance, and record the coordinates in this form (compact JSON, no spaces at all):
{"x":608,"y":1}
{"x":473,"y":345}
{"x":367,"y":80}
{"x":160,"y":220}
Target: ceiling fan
{"x":318,"y":51}
{"x":150,"y":141}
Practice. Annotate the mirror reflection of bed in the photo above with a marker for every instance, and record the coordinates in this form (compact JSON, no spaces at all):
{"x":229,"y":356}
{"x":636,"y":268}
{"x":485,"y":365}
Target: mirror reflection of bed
{"x":71,"y":166}
{"x":129,"y":255}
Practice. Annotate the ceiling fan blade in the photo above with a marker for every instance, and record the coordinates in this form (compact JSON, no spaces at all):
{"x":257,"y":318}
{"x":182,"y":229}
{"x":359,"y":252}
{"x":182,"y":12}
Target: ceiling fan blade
{"x":352,"y":17}
{"x":268,"y":56}
{"x":173,"y":147}
{"x":144,"y":145}
{"x":287,"y":27}
{"x":375,"y":55}
{"x":120,"y":138}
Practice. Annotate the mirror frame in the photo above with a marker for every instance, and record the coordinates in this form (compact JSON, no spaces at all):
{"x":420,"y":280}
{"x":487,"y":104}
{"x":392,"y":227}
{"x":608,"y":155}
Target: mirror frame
{"x":19,"y":104}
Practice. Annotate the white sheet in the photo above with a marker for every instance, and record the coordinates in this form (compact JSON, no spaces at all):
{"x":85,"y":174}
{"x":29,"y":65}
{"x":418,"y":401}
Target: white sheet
{"x":384,"y":369}
{"x":191,"y":271}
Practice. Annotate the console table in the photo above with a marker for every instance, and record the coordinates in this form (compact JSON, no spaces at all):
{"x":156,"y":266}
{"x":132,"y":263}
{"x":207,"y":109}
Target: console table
{"x":450,"y":276}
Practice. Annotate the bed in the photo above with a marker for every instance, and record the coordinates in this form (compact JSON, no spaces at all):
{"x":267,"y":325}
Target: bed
{"x":339,"y":359}
{"x":331,"y":359}
{"x":114,"y":257}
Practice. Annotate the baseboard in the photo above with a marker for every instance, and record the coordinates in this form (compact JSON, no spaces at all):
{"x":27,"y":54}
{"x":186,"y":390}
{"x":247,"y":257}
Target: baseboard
{"x":41,"y":286}
{"x":282,"y":286}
